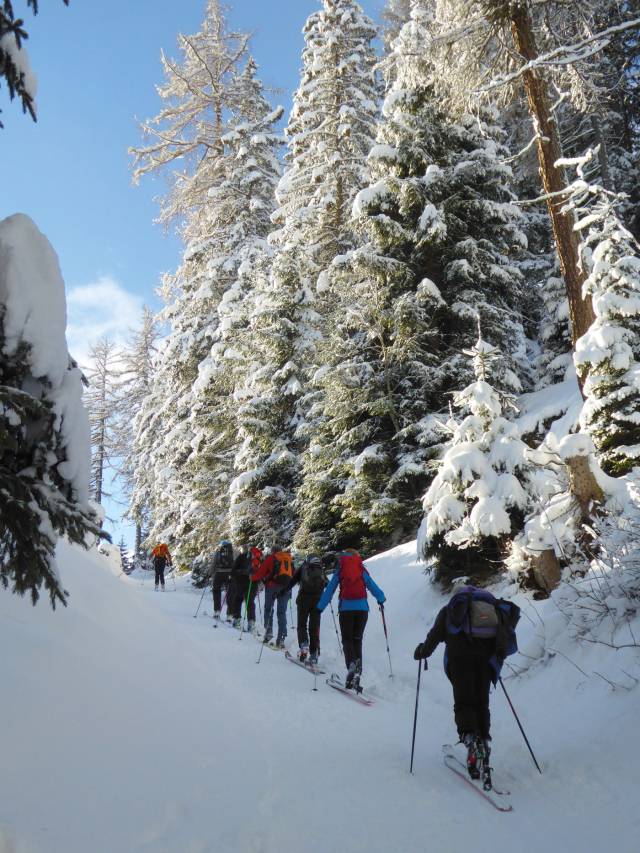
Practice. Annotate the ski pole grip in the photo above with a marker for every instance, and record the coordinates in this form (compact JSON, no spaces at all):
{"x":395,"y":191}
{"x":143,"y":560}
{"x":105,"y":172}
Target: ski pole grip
{"x":426,"y":665}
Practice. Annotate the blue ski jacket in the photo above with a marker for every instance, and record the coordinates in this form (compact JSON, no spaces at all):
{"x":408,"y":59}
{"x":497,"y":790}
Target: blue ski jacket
{"x":352,"y":603}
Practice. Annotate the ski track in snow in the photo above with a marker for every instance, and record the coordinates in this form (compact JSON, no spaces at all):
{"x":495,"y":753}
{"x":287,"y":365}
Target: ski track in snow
{"x":131,"y":727}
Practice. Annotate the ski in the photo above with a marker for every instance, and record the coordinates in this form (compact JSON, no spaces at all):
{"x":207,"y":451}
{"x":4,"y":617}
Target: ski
{"x":493,"y":795}
{"x":314,"y":670}
{"x":335,"y":682}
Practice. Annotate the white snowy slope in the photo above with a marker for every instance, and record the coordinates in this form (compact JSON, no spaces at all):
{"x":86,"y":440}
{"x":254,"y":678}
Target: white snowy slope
{"x":130,"y":726}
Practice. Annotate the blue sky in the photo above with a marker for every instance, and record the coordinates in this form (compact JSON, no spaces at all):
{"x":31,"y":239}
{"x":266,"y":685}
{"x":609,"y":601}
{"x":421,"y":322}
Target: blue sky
{"x":97,"y":64}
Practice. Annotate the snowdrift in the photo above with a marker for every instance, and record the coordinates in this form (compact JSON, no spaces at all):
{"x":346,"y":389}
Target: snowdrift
{"x":130,"y":726}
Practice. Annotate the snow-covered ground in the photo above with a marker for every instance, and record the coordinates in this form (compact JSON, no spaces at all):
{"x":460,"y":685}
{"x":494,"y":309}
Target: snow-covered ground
{"x":130,"y":726}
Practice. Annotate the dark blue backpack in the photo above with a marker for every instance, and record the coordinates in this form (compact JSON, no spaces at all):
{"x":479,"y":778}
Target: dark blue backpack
{"x":480,"y":615}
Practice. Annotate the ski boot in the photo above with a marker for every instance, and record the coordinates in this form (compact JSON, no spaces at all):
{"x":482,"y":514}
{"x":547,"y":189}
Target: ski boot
{"x":216,"y":615}
{"x":156,"y":587}
{"x":303,"y":653}
{"x":280,"y":643}
{"x":313,"y":658}
{"x":351,"y":674}
{"x":470,"y":741}
{"x":251,"y":626}
{"x":356,"y":678}
{"x":483,"y":751}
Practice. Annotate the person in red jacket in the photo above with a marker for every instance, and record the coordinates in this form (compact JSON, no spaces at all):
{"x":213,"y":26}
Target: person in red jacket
{"x":273,"y":592}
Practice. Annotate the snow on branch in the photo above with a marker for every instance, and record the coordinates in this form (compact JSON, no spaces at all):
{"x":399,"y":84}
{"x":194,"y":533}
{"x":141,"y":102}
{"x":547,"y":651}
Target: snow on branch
{"x":565,"y":55}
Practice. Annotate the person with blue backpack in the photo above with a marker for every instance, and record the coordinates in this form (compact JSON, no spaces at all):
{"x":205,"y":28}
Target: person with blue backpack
{"x":478,"y":631}
{"x":353,"y":608}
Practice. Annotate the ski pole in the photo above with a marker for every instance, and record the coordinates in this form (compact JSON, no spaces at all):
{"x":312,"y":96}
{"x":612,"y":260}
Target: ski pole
{"x":336,"y":627}
{"x":246,"y":609}
{"x":519,"y":724}
{"x":415,"y":713}
{"x":173,"y":577}
{"x":200,"y":602}
{"x":264,"y":639}
{"x":386,"y":637}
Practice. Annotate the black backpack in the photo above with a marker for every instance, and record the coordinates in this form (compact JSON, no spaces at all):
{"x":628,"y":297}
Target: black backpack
{"x":224,"y":557}
{"x":242,"y":565}
{"x":312,"y":577}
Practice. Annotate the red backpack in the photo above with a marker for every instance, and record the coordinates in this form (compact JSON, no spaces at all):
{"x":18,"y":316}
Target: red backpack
{"x":352,"y":576}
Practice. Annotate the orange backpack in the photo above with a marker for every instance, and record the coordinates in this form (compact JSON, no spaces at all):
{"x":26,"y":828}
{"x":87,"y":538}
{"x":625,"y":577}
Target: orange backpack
{"x":283,"y":569}
{"x":160,"y":551}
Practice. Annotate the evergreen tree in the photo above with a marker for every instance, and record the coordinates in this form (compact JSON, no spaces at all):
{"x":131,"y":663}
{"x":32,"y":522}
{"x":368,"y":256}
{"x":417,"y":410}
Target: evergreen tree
{"x":240,"y":209}
{"x":15,"y":69}
{"x":330,"y":131}
{"x":438,"y":228}
{"x":101,"y":400}
{"x":125,"y":562}
{"x":44,"y":434}
{"x":477,"y":502}
{"x":201,"y":94}
{"x":136,"y":377}
{"x":609,"y":353}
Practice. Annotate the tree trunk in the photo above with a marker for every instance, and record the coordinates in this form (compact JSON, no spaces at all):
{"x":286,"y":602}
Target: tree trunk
{"x":546,"y":570}
{"x":583,"y":485}
{"x":553,"y":178}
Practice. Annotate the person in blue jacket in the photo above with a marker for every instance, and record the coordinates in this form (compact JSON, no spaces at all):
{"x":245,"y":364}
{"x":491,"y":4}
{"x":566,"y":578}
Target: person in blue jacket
{"x":353,"y":608}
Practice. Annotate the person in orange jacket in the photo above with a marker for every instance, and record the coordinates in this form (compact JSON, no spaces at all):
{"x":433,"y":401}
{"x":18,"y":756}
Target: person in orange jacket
{"x":161,"y":557}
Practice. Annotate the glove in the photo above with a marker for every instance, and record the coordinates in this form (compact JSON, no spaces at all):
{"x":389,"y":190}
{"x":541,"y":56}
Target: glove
{"x":420,"y":652}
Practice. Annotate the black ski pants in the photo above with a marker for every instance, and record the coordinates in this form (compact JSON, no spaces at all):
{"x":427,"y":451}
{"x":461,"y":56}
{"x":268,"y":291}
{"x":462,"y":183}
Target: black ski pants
{"x":352,"y":625}
{"x":159,"y":575}
{"x":309,"y":622}
{"x":238,"y":595}
{"x":220,"y":582}
{"x":470,"y":677}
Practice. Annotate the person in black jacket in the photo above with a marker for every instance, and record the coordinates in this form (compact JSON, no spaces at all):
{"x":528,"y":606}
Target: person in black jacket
{"x":220,"y":575}
{"x":241,"y":586}
{"x":471,"y":664}
{"x":312,"y":579}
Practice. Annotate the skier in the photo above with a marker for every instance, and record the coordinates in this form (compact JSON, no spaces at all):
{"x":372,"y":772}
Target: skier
{"x":353,"y":608}
{"x":161,"y":557}
{"x":478,"y":631}
{"x":312,"y":579}
{"x":276,"y":570}
{"x":220,"y":574}
{"x":241,"y":586}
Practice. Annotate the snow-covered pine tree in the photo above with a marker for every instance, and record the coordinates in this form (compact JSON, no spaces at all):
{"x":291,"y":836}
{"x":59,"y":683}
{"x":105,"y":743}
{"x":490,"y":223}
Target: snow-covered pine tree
{"x":438,"y":227}
{"x":608,"y":354}
{"x":15,"y":68}
{"x":201,"y":95}
{"x":199,"y":92}
{"x":555,"y":363}
{"x":240,"y":209}
{"x":478,"y":500}
{"x":101,"y":400}
{"x":44,"y":432}
{"x":137,"y":366}
{"x":125,"y":562}
{"x":330,"y":132}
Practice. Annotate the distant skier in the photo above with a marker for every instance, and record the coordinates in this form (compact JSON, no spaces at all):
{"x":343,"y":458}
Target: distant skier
{"x":353,"y":608}
{"x":220,"y":574}
{"x":276,"y":570}
{"x":312,"y":579}
{"x":161,"y":557}
{"x":478,"y":631}
{"x":241,"y":587}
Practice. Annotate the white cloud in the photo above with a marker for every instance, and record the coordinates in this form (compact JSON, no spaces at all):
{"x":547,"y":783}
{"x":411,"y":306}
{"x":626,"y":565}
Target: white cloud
{"x":100,"y":309}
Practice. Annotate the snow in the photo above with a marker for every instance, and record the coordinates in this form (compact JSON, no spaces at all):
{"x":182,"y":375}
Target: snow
{"x":20,"y":58}
{"x":161,"y":735}
{"x":32,"y":294}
